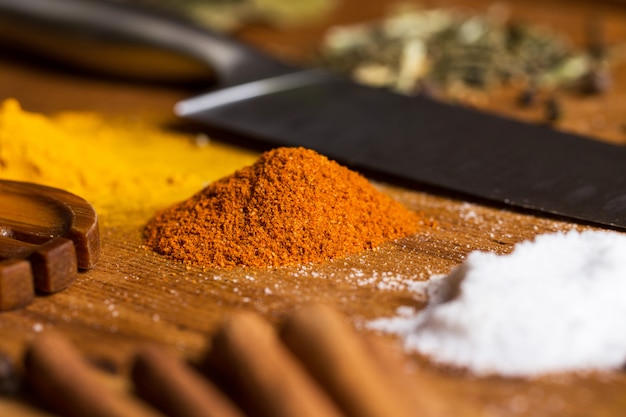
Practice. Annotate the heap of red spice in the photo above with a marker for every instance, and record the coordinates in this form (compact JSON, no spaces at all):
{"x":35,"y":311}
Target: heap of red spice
{"x":292,"y":206}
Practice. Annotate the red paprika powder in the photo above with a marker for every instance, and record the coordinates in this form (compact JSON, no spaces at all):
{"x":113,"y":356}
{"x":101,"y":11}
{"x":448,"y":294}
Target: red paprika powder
{"x":292,"y":206}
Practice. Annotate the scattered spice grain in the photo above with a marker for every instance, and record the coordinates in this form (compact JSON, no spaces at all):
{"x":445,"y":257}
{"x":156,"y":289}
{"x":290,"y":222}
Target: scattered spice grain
{"x":458,"y":50}
{"x":292,"y":206}
{"x":554,"y":110}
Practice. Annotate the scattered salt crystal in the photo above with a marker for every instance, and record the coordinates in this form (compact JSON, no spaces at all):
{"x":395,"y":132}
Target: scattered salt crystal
{"x":554,"y":304}
{"x":405,"y":311}
{"x":37,"y":327}
{"x":467,"y":212}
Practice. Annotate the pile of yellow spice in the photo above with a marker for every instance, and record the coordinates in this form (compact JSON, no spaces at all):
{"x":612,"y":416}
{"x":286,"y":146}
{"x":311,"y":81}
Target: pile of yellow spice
{"x":120,"y":165}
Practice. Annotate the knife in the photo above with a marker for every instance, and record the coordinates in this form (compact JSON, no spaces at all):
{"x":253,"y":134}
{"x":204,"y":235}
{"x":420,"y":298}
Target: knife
{"x":427,"y":143}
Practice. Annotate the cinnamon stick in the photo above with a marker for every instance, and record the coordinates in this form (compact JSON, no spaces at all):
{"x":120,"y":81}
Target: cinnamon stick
{"x":64,"y":380}
{"x":175,"y":388}
{"x":337,"y":357}
{"x":268,"y":378}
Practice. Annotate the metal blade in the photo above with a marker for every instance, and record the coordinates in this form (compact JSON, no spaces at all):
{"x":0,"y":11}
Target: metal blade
{"x":453,"y":148}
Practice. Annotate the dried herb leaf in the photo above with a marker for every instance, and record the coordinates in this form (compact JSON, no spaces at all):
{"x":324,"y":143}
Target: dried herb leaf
{"x":452,"y":48}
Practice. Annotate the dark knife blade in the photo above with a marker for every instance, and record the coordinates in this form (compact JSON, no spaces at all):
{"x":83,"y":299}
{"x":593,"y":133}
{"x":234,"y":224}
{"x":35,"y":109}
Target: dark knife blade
{"x":450,"y":147}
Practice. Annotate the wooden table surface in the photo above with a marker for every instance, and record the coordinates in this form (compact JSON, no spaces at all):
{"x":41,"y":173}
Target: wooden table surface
{"x":158,"y":300}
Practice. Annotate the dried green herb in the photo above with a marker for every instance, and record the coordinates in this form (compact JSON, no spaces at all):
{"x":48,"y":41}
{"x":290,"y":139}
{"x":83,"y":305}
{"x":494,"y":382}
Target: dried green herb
{"x":452,"y":48}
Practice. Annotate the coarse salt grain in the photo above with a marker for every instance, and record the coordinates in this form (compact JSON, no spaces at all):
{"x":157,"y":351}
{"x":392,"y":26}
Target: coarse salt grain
{"x":555,"y":304}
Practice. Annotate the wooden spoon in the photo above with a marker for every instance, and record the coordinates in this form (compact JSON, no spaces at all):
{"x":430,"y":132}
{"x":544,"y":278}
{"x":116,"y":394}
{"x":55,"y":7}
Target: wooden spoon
{"x":46,"y":235}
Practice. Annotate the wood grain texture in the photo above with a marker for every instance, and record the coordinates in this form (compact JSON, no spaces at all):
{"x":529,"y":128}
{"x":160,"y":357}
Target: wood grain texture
{"x":133,"y":295}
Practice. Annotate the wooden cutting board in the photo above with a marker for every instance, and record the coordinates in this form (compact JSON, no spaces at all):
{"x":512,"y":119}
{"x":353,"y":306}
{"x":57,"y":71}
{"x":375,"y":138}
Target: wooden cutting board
{"x":134,"y":295}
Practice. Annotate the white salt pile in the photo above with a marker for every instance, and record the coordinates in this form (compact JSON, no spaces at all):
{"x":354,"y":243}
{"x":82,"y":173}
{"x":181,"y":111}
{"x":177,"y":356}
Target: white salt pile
{"x":554,"y":304}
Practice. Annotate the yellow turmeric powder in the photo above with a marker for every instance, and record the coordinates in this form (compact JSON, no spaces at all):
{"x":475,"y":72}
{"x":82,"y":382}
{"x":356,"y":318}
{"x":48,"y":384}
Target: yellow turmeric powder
{"x":120,"y":165}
